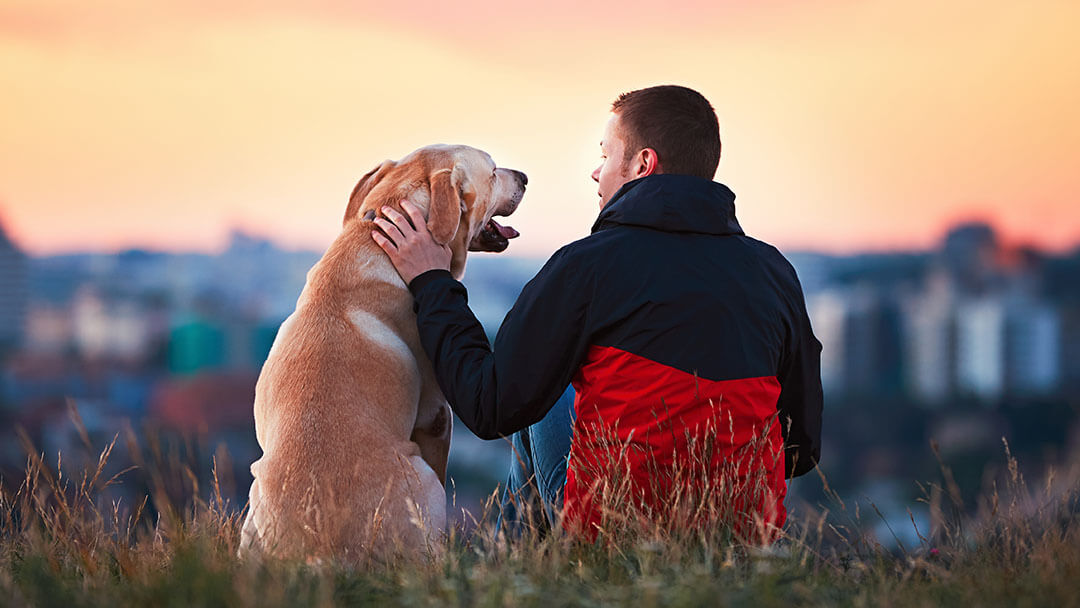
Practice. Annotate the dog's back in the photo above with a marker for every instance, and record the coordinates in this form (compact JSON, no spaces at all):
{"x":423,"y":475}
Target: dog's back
{"x":335,"y":405}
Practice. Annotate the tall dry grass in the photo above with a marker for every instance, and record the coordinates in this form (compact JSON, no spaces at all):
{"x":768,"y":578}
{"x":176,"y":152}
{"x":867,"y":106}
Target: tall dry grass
{"x":66,"y":539}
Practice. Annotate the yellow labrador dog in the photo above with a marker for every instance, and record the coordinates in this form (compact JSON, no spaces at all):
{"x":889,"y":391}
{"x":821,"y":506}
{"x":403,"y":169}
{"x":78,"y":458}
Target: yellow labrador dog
{"x":354,"y":429}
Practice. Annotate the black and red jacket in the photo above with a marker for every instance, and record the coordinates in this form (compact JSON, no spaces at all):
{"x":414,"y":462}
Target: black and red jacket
{"x":670,"y":322}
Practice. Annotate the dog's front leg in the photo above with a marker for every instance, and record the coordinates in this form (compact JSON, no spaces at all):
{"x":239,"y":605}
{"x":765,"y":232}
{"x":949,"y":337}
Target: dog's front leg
{"x":432,"y":434}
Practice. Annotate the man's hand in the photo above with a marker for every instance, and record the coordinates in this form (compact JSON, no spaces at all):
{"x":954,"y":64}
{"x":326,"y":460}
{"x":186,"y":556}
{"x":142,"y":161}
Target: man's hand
{"x":413,"y":251}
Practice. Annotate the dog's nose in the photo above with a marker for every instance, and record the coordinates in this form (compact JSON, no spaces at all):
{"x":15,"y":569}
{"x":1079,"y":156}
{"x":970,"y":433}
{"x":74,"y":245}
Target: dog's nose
{"x":524,"y":179}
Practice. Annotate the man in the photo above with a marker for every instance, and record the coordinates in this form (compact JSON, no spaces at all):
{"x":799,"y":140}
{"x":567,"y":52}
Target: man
{"x":687,"y":342}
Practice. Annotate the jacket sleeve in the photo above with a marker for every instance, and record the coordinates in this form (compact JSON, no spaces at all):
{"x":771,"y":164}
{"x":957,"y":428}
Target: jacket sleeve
{"x":801,"y":399}
{"x":538,"y":348}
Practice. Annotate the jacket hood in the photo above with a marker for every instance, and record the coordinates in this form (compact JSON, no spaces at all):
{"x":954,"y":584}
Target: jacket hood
{"x":672,"y":203}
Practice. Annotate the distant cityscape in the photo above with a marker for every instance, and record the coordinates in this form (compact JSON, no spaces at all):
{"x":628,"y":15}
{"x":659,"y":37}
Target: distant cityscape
{"x":972,"y":319}
{"x":177,"y":339}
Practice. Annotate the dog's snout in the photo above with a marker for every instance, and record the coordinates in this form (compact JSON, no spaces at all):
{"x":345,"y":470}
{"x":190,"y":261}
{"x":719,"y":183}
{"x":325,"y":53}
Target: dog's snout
{"x":524,"y":179}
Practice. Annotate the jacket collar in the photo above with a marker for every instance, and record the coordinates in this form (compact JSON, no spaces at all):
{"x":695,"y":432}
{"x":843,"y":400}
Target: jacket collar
{"x":672,"y":203}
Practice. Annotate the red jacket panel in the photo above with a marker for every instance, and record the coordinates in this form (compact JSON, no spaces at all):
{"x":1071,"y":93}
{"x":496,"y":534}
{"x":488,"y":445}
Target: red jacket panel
{"x":662,"y":435}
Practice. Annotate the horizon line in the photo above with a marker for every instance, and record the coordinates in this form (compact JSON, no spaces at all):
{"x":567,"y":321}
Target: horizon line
{"x":277,"y":243}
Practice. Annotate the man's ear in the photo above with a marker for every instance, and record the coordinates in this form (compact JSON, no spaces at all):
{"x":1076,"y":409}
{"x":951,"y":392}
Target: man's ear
{"x":363,"y":187}
{"x":450,"y":193}
{"x":647,"y":163}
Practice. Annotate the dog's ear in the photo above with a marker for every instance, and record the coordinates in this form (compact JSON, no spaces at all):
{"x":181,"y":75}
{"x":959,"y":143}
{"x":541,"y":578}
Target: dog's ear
{"x":451,"y":192}
{"x":363,"y":187}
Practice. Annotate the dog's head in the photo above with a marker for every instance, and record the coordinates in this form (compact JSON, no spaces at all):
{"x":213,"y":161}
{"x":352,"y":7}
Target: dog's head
{"x":460,"y":189}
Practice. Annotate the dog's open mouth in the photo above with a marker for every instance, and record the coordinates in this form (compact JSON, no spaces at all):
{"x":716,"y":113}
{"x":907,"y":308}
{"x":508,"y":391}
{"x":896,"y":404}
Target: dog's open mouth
{"x":494,"y":237}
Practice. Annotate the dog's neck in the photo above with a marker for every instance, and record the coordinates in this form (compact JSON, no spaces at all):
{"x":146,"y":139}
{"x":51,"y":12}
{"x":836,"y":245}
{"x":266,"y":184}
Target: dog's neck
{"x":373,"y":266}
{"x":355,"y":268}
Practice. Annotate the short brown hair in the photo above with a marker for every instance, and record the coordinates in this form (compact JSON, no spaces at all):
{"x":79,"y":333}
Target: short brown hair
{"x":677,"y":122}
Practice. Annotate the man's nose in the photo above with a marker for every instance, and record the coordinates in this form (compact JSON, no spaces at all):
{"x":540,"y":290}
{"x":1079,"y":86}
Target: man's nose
{"x":596,"y":175}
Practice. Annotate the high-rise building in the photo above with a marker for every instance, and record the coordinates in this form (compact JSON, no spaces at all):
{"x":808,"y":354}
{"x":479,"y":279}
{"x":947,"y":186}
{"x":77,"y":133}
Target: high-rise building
{"x":970,"y":255}
{"x":1069,"y":357}
{"x":930,"y":342}
{"x":872,"y":363}
{"x":860,"y":337}
{"x":13,"y":293}
{"x":981,"y":347}
{"x":828,"y":314}
{"x":1033,"y":346}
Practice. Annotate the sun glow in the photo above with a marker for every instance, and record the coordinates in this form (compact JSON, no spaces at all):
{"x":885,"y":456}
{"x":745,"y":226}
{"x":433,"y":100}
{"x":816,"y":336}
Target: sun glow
{"x":845,"y":127}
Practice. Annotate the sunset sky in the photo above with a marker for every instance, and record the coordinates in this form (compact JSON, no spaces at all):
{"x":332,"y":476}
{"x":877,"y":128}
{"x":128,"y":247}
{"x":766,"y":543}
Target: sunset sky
{"x":846,"y":125}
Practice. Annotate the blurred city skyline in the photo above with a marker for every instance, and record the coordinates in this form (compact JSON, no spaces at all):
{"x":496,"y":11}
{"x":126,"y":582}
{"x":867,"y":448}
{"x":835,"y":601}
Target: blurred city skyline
{"x":847,"y":126}
{"x":972,"y":317}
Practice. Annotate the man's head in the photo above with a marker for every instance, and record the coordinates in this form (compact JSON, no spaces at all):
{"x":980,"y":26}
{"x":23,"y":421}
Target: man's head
{"x":665,"y":129}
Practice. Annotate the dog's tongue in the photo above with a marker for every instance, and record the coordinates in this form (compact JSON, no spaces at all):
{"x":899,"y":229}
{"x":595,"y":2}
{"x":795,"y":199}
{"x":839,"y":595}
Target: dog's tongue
{"x":506,"y":231}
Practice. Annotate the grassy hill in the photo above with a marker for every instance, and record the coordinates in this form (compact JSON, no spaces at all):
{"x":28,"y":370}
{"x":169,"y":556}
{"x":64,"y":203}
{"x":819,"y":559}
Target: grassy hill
{"x":63,"y":542}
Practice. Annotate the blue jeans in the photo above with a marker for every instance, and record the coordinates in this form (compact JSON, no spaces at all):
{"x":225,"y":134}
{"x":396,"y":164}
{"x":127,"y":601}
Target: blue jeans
{"x":534,"y":488}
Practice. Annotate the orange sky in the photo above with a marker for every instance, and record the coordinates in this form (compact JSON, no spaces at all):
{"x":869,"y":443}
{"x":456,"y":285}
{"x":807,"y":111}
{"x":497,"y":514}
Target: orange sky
{"x":847,"y":125}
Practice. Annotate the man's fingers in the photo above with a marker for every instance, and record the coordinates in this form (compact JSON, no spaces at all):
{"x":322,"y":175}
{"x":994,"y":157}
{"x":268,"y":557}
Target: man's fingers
{"x":391,"y":230}
{"x":399,"y":220}
{"x":409,"y":247}
{"x":415,"y":215}
{"x":381,"y":240}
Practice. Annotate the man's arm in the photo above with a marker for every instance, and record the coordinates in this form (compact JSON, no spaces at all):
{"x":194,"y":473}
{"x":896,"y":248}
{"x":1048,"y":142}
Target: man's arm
{"x":537,"y":350}
{"x":801,"y":399}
